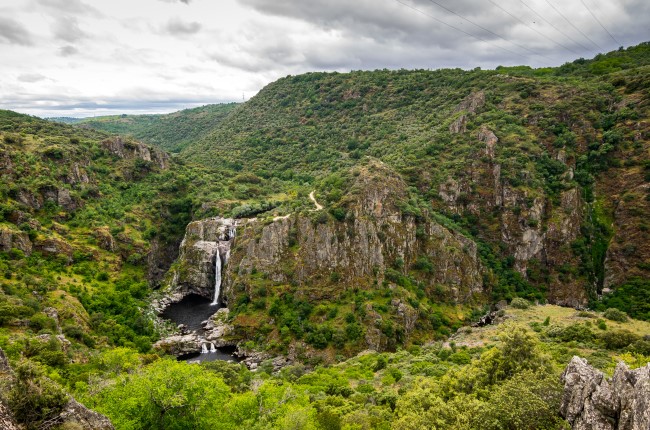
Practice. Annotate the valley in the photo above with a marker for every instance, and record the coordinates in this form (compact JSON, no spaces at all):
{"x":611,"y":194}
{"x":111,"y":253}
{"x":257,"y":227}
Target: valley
{"x":319,"y":256}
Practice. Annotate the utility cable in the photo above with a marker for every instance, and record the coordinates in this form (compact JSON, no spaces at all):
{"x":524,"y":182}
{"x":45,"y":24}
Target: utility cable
{"x":489,"y":31}
{"x":599,"y":23}
{"x":534,"y":29}
{"x":572,"y":25}
{"x":458,"y":29}
{"x":551,"y":24}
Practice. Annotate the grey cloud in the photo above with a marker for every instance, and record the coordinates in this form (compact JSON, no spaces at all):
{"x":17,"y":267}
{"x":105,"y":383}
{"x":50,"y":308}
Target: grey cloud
{"x":67,"y":28}
{"x":31,"y":77}
{"x":408,"y":24}
{"x":174,"y":1}
{"x":57,"y":105}
{"x":67,"y":51}
{"x":14,"y":33}
{"x":177,"y":27}
{"x":75,"y":7}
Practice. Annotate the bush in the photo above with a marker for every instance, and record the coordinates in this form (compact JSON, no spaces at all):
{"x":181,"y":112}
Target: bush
{"x":619,"y":339}
{"x":34,"y":398}
{"x":573,"y":332}
{"x":615,"y":315}
{"x":519,"y":303}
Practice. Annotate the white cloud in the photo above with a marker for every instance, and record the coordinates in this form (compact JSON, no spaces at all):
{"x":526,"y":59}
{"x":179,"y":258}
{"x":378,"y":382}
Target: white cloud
{"x":155,"y":55}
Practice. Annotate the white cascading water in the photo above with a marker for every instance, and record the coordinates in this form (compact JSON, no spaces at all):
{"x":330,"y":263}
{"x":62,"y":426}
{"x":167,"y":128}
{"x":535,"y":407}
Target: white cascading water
{"x":217,"y":279}
{"x":204,"y":349}
{"x":212,"y":348}
{"x":226,"y":238}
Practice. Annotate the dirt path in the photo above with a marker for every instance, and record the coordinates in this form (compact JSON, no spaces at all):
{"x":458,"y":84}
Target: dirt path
{"x":313,"y":199}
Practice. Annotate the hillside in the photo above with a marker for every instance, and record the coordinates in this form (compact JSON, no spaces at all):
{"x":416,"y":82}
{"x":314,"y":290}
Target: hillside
{"x":545,"y":169}
{"x":358,"y":238}
{"x":170,"y":132}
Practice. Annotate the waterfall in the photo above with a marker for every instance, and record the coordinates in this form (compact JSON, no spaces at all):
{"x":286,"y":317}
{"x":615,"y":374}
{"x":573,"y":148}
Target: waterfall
{"x":226,"y":237}
{"x":204,"y":349}
{"x":212,"y":348}
{"x":217,"y":278}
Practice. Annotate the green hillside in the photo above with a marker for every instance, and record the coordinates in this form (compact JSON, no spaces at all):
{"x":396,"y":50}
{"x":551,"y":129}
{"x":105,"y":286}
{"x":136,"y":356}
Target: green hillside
{"x":171,"y":132}
{"x":375,"y":216}
{"x":502,"y":154}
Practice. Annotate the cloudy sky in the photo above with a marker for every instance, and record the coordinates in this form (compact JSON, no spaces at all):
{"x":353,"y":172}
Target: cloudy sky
{"x":95,"y":57}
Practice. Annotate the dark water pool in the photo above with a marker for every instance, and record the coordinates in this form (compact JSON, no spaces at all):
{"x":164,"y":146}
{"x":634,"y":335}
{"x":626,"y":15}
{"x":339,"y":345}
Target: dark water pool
{"x":191,"y":311}
{"x":225,"y":354}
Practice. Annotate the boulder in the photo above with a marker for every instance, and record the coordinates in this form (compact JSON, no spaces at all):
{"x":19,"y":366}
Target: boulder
{"x":592,"y":402}
{"x":76,"y":413}
{"x":7,"y":421}
{"x":15,"y":239}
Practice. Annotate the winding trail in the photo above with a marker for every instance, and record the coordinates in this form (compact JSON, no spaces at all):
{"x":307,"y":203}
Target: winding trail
{"x":313,"y":199}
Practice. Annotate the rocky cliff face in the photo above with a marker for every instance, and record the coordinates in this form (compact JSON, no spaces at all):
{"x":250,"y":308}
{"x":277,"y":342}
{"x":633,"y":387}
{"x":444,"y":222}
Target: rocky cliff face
{"x":319,"y":257}
{"x":206,"y":243}
{"x":592,"y":402}
{"x":128,"y":149}
{"x":375,"y":241}
{"x":535,"y":228}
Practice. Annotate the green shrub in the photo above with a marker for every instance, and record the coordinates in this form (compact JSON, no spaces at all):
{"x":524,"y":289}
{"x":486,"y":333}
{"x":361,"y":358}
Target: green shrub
{"x":615,"y":315}
{"x":33,"y":398}
{"x":573,"y":332}
{"x":519,"y":303}
{"x":618,"y":339}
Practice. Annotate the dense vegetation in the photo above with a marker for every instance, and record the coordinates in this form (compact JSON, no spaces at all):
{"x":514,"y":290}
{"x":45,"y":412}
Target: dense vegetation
{"x":87,"y":233}
{"x":171,"y":132}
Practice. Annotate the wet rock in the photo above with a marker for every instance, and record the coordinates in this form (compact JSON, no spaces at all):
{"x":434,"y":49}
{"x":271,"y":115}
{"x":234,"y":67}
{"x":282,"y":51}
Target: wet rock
{"x":218,"y":330}
{"x":180,"y":344}
{"x":196,"y":271}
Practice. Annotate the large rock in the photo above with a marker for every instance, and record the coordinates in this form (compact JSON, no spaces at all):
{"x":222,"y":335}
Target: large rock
{"x":591,"y":402}
{"x":217,"y":329}
{"x":7,"y":421}
{"x":15,"y":239}
{"x":128,"y":149}
{"x":180,"y":344}
{"x":54,"y":247}
{"x":77,"y":414}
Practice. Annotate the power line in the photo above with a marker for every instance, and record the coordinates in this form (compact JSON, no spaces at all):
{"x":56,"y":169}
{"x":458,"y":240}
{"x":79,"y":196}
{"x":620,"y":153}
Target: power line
{"x":551,"y":24}
{"x":485,"y":29}
{"x":533,"y":28}
{"x":458,"y":29}
{"x":599,"y":23}
{"x":572,"y":25}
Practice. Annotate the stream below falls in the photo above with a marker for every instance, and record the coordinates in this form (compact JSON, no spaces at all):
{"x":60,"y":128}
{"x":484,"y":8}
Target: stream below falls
{"x":191,"y":312}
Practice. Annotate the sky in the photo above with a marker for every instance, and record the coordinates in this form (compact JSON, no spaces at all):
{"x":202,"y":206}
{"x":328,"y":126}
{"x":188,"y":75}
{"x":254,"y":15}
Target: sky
{"x":97,"y":57}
